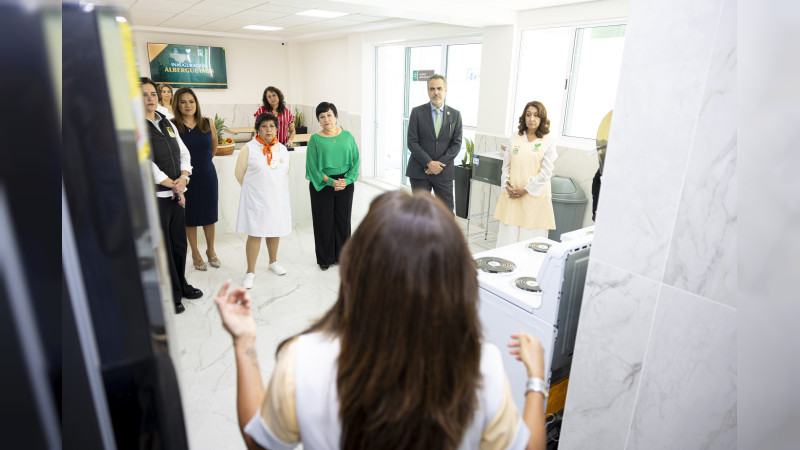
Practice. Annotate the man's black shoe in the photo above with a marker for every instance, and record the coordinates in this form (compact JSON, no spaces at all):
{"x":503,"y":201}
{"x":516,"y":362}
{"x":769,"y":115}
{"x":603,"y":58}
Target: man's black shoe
{"x":179,"y":308}
{"x":324,"y":266}
{"x":192,"y":293}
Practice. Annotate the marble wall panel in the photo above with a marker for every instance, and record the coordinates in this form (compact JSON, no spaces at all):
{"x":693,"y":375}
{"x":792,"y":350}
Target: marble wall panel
{"x":615,"y":321}
{"x":659,"y":97}
{"x":702,"y":257}
{"x":687,"y":396}
{"x":235,"y":115}
{"x":488,"y":142}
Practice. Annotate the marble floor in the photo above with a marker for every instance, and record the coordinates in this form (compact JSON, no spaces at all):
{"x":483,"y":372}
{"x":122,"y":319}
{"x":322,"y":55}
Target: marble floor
{"x":282,"y":306}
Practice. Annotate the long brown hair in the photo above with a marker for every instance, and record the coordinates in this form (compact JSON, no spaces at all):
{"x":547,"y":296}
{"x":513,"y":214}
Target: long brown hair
{"x":281,"y":102}
{"x":202,"y":123}
{"x":407,"y":321}
{"x":544,"y":122}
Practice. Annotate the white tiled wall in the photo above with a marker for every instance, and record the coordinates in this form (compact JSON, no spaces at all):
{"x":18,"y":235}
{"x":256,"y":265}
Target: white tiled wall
{"x":655,"y":357}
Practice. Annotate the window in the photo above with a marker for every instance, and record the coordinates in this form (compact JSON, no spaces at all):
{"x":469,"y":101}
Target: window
{"x":597,"y":59}
{"x":574,"y":72}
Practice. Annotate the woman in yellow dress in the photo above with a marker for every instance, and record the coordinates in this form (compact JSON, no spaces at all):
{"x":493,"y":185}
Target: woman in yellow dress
{"x":525,"y":208}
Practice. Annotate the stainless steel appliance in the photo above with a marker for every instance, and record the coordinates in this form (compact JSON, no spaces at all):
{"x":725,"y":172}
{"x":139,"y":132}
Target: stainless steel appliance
{"x":118,"y":306}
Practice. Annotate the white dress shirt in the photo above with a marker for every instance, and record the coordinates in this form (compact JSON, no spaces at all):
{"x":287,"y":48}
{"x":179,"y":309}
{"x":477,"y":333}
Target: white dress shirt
{"x":186,"y":159}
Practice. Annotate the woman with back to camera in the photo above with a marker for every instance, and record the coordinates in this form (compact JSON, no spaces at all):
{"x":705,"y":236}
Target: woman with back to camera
{"x":264,"y":209}
{"x":525,"y":208}
{"x":274,"y":103}
{"x":397,"y":362}
{"x":165,"y":101}
{"x":332,"y":163}
{"x":200,"y":137}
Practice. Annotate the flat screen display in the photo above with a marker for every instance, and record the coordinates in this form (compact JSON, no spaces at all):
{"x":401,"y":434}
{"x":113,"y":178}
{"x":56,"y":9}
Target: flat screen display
{"x":188,"y":65}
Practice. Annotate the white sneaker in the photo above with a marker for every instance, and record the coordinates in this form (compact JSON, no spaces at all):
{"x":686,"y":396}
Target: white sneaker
{"x":277,"y":268}
{"x":247,"y":283}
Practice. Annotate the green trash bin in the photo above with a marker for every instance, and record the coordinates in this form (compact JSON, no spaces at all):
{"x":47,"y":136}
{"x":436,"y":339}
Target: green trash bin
{"x":569,"y":205}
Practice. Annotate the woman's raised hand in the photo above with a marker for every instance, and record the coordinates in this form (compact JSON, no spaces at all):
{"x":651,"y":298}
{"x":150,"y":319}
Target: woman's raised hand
{"x":529,"y":350}
{"x":235,"y":311}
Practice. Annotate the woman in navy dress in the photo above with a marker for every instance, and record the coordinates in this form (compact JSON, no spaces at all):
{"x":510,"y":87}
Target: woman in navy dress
{"x":200,"y":136}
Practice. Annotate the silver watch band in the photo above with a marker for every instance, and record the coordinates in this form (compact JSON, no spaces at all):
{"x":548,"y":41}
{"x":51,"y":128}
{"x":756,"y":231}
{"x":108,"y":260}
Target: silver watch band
{"x":537,"y":385}
{"x":185,"y":177}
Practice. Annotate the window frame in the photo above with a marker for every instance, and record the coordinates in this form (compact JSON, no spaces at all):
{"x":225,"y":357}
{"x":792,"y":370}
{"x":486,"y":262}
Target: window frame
{"x":563,"y":140}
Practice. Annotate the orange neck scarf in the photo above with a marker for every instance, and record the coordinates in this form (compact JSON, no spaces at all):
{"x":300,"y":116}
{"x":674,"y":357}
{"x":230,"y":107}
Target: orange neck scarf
{"x":267,"y":147}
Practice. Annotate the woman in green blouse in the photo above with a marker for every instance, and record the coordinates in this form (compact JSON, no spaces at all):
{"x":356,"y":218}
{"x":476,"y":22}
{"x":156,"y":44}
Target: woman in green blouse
{"x":331,"y":169}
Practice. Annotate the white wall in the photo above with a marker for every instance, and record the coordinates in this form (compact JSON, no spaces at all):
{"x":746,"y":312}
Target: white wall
{"x":498,"y":57}
{"x":323,"y":72}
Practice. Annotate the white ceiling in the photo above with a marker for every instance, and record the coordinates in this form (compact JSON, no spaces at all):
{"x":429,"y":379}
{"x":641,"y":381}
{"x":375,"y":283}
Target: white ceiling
{"x":228,"y":17}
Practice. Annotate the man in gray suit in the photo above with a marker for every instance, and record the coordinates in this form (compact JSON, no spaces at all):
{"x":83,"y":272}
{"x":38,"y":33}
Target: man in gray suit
{"x":434,"y":139}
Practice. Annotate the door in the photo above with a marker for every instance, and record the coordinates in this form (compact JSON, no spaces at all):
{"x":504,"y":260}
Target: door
{"x":401,"y":74}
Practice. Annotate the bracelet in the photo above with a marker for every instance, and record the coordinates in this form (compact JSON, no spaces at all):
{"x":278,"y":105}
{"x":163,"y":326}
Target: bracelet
{"x":185,"y":177}
{"x":536,"y":384}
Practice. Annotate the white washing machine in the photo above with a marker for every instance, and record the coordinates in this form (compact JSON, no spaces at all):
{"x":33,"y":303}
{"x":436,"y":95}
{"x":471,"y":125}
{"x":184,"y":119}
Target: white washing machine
{"x":536,"y":286}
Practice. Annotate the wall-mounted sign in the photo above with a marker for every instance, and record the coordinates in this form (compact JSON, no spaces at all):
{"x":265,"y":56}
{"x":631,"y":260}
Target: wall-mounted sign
{"x":188,"y":65}
{"x":422,"y":75}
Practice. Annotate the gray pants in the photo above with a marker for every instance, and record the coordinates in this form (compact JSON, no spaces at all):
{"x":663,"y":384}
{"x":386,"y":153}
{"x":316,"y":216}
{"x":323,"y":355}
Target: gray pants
{"x":442,"y":189}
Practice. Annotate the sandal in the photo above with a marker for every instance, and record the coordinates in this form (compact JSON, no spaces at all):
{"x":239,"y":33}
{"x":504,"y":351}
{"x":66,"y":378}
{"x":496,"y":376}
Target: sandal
{"x":199,"y":264}
{"x":213,"y":262}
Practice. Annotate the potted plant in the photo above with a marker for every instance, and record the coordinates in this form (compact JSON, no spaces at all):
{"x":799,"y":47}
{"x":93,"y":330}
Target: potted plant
{"x":462,"y":176}
{"x":225,"y":146}
{"x":298,"y":122}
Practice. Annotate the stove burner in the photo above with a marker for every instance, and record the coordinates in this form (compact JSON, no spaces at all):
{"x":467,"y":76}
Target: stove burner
{"x":491,"y":264}
{"x":527,"y":284}
{"x":540,"y":247}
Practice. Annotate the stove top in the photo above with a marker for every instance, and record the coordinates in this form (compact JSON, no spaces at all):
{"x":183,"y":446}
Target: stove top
{"x":528,"y":284}
{"x":526,"y":263}
{"x":490,"y":264}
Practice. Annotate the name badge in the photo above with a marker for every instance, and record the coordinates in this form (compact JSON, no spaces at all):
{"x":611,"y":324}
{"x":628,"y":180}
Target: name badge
{"x":516,"y":150}
{"x":171,"y":133}
{"x":536,"y":147}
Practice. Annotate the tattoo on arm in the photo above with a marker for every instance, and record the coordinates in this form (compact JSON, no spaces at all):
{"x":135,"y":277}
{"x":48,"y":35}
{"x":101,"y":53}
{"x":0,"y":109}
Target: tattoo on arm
{"x":251,"y":353}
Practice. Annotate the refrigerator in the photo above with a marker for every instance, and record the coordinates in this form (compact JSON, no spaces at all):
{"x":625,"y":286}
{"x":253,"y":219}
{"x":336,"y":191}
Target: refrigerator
{"x":117,"y":311}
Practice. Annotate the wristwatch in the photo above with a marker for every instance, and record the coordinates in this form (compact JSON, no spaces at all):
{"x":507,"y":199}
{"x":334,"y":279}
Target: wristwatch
{"x":185,"y":177}
{"x":537,"y":385}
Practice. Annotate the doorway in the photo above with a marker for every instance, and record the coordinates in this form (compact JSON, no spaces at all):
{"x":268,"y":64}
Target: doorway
{"x":401,"y":73}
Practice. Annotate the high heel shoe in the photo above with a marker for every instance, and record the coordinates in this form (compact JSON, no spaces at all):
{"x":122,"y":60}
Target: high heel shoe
{"x":199,"y":264}
{"x":213,"y":261}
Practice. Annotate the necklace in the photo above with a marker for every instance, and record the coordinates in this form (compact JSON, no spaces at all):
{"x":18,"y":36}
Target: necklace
{"x":333,"y":137}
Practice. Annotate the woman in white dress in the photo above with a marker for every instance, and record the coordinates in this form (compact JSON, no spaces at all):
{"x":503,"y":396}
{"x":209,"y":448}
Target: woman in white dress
{"x":264,"y":211}
{"x":525,"y":208}
{"x":165,"y":100}
{"x":397,"y":362}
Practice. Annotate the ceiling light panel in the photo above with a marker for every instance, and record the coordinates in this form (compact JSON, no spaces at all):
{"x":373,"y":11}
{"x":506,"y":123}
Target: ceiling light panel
{"x":262,"y":28}
{"x":322,"y":13}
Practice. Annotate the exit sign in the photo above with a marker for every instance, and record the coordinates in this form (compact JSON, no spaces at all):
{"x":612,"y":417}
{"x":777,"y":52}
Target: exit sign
{"x":422,"y":75}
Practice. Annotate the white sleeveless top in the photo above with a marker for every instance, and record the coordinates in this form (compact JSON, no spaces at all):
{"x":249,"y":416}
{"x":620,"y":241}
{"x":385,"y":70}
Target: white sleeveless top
{"x":496,"y":423}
